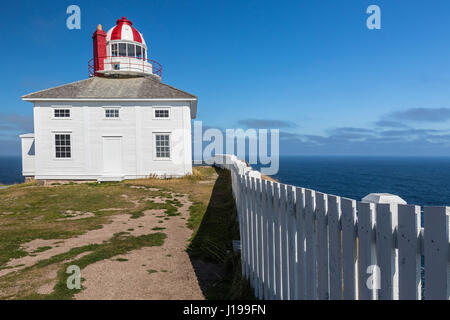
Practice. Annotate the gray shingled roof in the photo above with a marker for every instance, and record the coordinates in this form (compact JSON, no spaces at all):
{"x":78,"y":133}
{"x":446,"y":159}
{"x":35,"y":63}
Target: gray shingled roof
{"x":112,"y":88}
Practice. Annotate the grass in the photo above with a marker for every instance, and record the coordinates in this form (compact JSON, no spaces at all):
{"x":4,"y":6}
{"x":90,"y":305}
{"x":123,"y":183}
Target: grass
{"x":28,"y":212}
{"x":121,"y":259}
{"x":118,"y":245}
{"x":215,"y":225}
{"x":41,"y":249}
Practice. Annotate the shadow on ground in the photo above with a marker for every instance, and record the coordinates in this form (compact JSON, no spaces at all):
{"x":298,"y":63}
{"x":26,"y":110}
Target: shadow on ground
{"x":217,"y":268}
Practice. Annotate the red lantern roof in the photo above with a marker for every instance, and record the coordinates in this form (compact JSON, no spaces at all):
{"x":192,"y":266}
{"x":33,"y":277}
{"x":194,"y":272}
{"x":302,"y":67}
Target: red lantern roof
{"x":124,"y":31}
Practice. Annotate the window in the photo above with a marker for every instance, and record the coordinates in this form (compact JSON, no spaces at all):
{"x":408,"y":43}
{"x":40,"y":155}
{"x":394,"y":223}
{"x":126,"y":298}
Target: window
{"x":143,"y":53}
{"x":161,"y":113}
{"x":62,"y":113}
{"x":122,"y":49}
{"x":130,"y":50}
{"x":114,"y":49}
{"x":62,"y":146}
{"x":138,"y":52}
{"x":112,"y":113}
{"x":162,"y":146}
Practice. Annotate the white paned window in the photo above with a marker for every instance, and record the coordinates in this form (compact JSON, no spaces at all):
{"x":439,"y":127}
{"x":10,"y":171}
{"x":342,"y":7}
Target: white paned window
{"x":138,"y":52}
{"x":131,"y":50}
{"x":63,"y":146}
{"x":114,"y":49}
{"x":61,"y":113}
{"x":122,"y":49}
{"x":161,"y":113}
{"x":112,"y":113}
{"x":162,"y":143}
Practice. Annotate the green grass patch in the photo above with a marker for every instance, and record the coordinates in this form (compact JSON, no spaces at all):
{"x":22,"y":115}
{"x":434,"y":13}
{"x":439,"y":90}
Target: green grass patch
{"x":215,"y":226}
{"x":119,"y":244}
{"x":33,"y":212}
{"x":150,"y":271}
{"x":41,"y":249}
{"x":121,"y":259}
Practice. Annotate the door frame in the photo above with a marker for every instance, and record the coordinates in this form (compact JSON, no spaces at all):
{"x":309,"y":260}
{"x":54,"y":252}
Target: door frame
{"x":112,"y":136}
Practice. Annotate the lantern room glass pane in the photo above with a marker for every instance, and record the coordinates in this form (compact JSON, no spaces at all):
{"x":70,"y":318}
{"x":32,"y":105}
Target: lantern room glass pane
{"x":131,"y":50}
{"x":143,"y":53}
{"x":138,"y":52}
{"x":122,"y":49}
{"x":114,"y":49}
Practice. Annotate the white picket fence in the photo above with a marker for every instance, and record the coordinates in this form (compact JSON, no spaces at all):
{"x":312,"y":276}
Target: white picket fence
{"x":298,"y":243}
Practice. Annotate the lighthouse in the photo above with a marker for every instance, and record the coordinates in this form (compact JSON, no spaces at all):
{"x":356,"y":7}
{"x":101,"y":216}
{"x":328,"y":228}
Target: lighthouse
{"x":122,"y":51}
{"x":121,"y":122}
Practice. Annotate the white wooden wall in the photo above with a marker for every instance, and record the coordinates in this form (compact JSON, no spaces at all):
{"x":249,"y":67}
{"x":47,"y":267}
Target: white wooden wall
{"x":136,"y":126}
{"x":302,"y":244}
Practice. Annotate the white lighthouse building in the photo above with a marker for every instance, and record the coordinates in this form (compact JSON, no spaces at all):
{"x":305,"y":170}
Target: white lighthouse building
{"x":120,"y":123}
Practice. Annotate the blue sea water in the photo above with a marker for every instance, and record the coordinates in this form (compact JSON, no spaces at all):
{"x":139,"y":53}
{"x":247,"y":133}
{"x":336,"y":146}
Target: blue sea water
{"x":11,"y":170}
{"x":422,"y":181}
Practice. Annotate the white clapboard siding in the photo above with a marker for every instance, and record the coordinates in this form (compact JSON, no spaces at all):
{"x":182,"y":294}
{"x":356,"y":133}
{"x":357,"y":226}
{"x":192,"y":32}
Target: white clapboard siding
{"x":298,"y":243}
{"x":300,"y":249}
{"x":322,"y":247}
{"x":410,"y":284}
{"x":284,"y":243}
{"x":366,"y":252}
{"x":292,"y":240}
{"x":277,"y":239}
{"x":310,"y":231}
{"x":436,"y":252}
{"x":348,"y":209}
{"x":385,"y":251}
{"x":335,"y":247}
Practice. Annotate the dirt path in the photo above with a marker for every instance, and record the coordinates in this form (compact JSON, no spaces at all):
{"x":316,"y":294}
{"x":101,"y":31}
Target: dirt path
{"x":159,"y":272}
{"x":163,"y":272}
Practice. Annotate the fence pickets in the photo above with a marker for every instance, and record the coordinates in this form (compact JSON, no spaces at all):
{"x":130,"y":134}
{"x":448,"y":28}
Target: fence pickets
{"x":297,"y":243}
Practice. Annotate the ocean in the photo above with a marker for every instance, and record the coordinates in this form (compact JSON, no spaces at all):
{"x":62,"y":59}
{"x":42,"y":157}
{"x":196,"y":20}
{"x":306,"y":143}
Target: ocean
{"x":421,"y":181}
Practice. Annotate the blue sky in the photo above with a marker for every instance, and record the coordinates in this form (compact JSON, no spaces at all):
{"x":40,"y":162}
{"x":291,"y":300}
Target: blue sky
{"x":310,"y":68}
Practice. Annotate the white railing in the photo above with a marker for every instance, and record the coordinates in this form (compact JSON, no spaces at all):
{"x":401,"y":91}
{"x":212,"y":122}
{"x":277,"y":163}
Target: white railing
{"x":298,"y":243}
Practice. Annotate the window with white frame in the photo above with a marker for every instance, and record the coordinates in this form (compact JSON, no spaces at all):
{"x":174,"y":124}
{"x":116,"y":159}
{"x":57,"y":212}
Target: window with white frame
{"x":122,"y":49}
{"x":61,"y":113}
{"x":161,"y":113}
{"x":114,"y":49}
{"x":112,"y":113}
{"x":127,"y":50}
{"x":162,"y":143}
{"x":62,"y":146}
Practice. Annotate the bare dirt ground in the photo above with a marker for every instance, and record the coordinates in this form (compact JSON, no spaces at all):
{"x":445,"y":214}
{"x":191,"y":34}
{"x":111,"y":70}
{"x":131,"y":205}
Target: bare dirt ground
{"x":129,"y":238}
{"x":161,"y":272}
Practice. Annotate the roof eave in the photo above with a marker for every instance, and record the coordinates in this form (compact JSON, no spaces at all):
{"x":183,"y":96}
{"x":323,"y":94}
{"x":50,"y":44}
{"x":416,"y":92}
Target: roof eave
{"x":108,"y":99}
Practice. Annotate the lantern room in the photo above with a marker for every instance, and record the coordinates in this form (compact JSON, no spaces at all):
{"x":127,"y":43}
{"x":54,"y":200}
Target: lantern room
{"x":122,"y":51}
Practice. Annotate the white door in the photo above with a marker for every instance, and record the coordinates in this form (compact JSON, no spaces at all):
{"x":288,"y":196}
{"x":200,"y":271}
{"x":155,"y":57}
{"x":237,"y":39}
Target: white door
{"x":112,"y":154}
